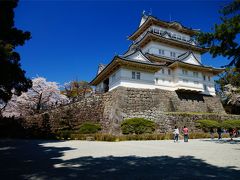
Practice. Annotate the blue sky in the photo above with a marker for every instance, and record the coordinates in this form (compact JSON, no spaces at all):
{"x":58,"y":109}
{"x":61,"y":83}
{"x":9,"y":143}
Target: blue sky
{"x":70,"y":38}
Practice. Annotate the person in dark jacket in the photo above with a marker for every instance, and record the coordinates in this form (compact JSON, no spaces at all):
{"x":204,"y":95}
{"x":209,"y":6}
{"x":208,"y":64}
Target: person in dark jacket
{"x":231,"y":131}
{"x":219,"y":131}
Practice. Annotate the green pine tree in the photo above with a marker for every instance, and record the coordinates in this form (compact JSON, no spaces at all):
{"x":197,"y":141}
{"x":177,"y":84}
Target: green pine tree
{"x":224,"y":40}
{"x":12,"y":77}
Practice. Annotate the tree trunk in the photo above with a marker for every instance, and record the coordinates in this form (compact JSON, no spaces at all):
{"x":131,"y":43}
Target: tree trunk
{"x":39,"y":103}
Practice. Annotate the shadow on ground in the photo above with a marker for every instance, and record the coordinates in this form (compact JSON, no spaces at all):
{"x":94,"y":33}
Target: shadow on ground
{"x":28,"y":159}
{"x":223,"y":141}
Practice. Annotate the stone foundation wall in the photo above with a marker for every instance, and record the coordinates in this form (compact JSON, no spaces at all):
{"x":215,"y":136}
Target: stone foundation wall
{"x":167,"y":101}
{"x":70,"y":116}
{"x":111,"y":108}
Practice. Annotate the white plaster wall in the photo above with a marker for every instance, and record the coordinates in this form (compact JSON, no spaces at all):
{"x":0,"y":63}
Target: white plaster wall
{"x":145,"y":76}
{"x":99,"y":87}
{"x":125,"y":79}
{"x":176,"y":80}
{"x":153,"y":48}
{"x":191,"y":79}
{"x":114,"y":82}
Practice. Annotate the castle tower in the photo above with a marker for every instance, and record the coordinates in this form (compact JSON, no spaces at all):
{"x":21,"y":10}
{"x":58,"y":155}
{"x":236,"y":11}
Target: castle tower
{"x":163,"y":55}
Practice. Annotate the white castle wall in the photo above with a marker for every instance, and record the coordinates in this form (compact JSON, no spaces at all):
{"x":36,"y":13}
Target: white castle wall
{"x":125,"y":79}
{"x":153,"y":48}
{"x":173,"y":81}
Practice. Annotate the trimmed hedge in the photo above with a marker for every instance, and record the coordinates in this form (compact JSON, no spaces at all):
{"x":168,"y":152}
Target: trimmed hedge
{"x":208,"y":123}
{"x":231,"y":124}
{"x":137,"y":126}
{"x":131,"y":137}
{"x":89,"y":128}
{"x":214,"y":124}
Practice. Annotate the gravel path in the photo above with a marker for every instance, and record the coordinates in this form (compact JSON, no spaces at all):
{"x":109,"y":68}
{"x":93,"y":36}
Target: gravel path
{"x":197,"y":159}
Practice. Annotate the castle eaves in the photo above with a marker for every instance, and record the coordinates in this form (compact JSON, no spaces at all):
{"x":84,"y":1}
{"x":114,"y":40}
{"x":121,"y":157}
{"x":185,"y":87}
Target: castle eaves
{"x":154,"y":21}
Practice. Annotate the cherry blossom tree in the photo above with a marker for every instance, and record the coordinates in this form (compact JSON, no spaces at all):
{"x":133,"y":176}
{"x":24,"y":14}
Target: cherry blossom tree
{"x":42,"y":96}
{"x":76,"y":90}
{"x":231,"y":96}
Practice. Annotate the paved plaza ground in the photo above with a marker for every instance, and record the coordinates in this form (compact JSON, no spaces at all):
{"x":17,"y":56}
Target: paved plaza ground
{"x":197,"y":159}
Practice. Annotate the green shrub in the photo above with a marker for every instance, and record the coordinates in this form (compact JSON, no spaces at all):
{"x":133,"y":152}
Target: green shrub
{"x":89,"y":128}
{"x":208,"y":124}
{"x":230,"y":124}
{"x":70,"y":135}
{"x":137,"y":126}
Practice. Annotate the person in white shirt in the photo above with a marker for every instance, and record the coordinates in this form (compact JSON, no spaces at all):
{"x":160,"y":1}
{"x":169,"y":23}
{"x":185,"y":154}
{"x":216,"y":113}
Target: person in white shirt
{"x":176,"y":134}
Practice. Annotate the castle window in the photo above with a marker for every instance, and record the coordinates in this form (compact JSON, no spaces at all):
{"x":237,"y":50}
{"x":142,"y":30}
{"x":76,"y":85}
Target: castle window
{"x":156,"y":31}
{"x":204,"y":77}
{"x":172,"y":54}
{"x":161,"y":31}
{"x":179,"y":37}
{"x":209,"y":78}
{"x":161,"y":52}
{"x":174,"y":36}
{"x":156,"y":80}
{"x":138,"y":75}
{"x":195,"y":74}
{"x":185,"y":72}
{"x":133,"y":75}
{"x":162,"y":71}
{"x":184,"y":38}
{"x":169,"y":72}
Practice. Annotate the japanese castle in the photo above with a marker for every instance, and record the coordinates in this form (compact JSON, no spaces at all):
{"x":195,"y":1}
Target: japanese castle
{"x":163,"y":55}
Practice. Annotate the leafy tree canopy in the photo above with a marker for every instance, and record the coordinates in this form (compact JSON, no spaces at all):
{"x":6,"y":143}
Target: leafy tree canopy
{"x":12,"y":77}
{"x":76,"y":89}
{"x":225,"y":38}
{"x":230,"y":76}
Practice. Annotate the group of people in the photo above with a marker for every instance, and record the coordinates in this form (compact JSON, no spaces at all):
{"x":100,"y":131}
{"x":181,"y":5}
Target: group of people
{"x":176,"y":134}
{"x":219,"y":132}
{"x":232,"y":133}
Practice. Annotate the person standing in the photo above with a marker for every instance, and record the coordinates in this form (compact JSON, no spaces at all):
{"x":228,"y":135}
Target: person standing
{"x":231,"y":133}
{"x":185,"y":133}
{"x":212,"y":133}
{"x":219,"y":131}
{"x":176,"y":134}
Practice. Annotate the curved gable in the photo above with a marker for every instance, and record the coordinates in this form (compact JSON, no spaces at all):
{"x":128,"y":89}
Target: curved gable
{"x":189,"y":58}
{"x":138,"y":56}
